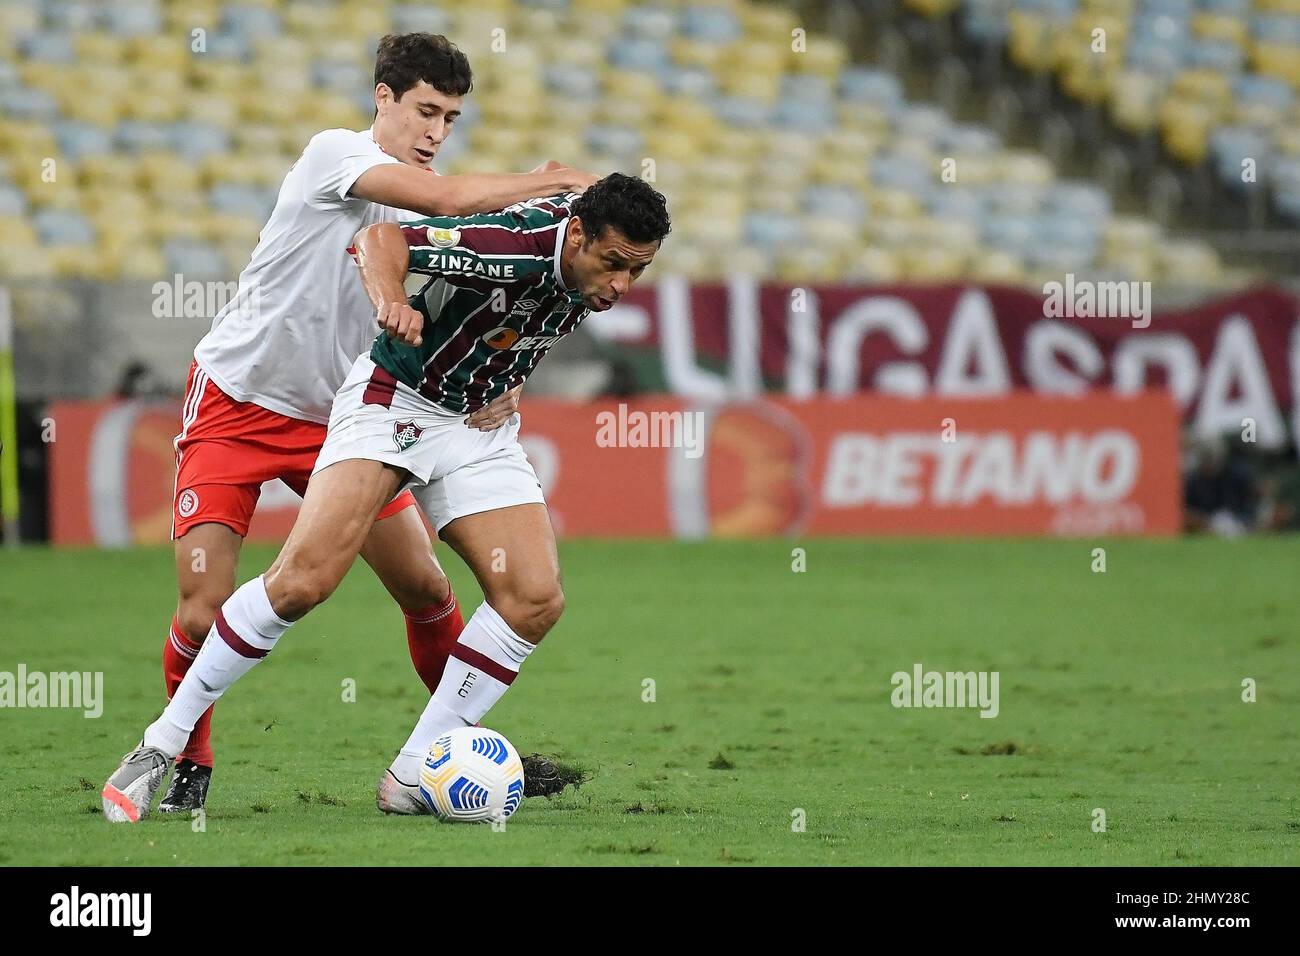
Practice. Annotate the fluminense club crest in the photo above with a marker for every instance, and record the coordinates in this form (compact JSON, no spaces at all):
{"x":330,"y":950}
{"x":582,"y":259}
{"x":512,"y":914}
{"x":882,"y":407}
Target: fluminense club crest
{"x":406,"y":434}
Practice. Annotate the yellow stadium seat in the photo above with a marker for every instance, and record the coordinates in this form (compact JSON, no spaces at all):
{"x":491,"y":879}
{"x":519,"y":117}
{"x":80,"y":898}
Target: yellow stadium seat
{"x":1030,"y":41}
{"x":933,"y":8}
{"x":1221,"y":27}
{"x":17,"y":230}
{"x":808,"y":264}
{"x":695,"y":53}
{"x":99,"y":48}
{"x":23,"y":261}
{"x":182,"y":17}
{"x":929,"y":265}
{"x":895,"y":204}
{"x":85,"y":260}
{"x":1134,"y":97}
{"x":158,"y":51}
{"x":1188,"y":262}
{"x":306,"y":18}
{"x":997,"y":266}
{"x":1204,"y":86}
{"x":1185,"y":127}
{"x":166,"y":172}
{"x":144,"y":261}
{"x":824,"y":56}
{"x":1277,"y":59}
{"x":873,"y":265}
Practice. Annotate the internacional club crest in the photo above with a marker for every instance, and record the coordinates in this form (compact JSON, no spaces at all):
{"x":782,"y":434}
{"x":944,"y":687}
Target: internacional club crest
{"x":406,"y":434}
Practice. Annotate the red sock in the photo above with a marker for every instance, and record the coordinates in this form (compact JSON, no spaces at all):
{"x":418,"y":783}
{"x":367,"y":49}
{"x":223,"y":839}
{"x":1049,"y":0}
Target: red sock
{"x":178,"y":655}
{"x":431,"y":634}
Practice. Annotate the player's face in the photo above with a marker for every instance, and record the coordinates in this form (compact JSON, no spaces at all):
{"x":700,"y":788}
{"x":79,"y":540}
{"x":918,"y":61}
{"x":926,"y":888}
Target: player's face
{"x":604,"y":268}
{"x":413,"y":128}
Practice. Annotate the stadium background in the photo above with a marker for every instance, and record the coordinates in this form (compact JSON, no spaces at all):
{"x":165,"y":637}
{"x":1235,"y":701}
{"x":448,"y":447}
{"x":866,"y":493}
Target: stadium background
{"x":868,"y":200}
{"x":824,"y":162}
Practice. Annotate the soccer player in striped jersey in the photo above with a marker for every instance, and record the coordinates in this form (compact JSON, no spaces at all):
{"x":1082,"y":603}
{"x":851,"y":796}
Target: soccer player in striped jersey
{"x":264,"y":377}
{"x":503,"y":289}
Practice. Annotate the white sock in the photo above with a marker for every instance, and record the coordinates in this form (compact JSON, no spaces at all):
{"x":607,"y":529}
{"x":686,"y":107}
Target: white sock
{"x":245,"y":631}
{"x":481,"y":668}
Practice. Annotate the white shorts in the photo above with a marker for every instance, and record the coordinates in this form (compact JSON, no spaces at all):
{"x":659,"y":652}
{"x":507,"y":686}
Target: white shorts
{"x":455,"y":470}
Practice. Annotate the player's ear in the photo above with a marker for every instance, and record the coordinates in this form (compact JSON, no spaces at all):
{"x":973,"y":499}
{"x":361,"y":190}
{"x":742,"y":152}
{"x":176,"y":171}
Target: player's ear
{"x":574,"y":232}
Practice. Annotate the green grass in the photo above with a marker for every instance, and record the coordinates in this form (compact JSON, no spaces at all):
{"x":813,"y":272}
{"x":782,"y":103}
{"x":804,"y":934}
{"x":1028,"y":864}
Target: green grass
{"x":1119,"y":691}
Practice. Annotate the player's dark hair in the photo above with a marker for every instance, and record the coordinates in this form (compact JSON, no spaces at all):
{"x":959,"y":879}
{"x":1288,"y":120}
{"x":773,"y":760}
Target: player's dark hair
{"x":630,"y":205}
{"x":403,"y":60}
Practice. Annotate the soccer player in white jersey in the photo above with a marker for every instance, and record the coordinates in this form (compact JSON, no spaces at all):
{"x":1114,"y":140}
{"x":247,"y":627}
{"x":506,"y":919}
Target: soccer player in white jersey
{"x":506,"y":287}
{"x":263,"y":378}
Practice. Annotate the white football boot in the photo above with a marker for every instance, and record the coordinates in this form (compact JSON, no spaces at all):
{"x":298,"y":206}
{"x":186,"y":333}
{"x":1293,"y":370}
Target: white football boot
{"x":129,"y":792}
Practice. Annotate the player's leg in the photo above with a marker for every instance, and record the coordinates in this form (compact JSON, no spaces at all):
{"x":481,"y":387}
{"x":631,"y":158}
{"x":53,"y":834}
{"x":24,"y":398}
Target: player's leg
{"x":341,"y":504}
{"x":511,"y":551}
{"x":399,"y":551}
{"x":207,"y":557}
{"x":220,"y":467}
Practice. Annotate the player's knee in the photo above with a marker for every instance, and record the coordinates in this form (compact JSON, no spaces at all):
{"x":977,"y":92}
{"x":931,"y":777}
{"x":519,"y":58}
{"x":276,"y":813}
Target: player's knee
{"x":532,"y":610}
{"x":295,"y":589}
{"x":196,"y":612}
{"x":425,"y":588}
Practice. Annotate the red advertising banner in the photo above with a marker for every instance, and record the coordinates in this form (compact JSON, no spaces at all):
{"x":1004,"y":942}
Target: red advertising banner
{"x":1224,"y":360}
{"x":1019,"y":464}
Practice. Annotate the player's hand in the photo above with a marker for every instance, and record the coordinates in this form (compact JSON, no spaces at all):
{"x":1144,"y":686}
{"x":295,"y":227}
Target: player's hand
{"x":402,"y":322}
{"x":576,"y":180}
{"x":496,"y":412}
{"x":581,"y":180}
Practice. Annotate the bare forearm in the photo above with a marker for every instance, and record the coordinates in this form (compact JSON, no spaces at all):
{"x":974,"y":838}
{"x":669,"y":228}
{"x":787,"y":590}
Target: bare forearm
{"x":404,"y":187}
{"x":488,"y":192}
{"x":382,"y":256}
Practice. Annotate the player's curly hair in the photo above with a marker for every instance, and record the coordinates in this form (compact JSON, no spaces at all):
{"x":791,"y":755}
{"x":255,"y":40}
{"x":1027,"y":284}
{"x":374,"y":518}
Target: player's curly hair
{"x":630,"y":205}
{"x":404,"y":60}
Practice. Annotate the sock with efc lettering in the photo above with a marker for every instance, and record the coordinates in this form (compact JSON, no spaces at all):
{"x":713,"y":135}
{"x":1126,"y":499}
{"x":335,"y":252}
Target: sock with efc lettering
{"x":178,"y":654}
{"x":431,"y":634}
{"x":245,"y":630}
{"x":481,"y":668}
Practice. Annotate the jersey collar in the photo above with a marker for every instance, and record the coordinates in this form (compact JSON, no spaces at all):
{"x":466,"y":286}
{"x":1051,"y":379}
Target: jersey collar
{"x":574,"y":295}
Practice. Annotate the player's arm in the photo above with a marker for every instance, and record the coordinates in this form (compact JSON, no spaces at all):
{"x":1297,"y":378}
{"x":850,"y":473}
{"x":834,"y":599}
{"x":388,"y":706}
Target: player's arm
{"x":405,"y":187}
{"x":382,"y":257}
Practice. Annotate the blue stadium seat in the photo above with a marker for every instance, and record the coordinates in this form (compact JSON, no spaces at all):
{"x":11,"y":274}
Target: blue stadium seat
{"x":638,"y":53}
{"x":72,"y":15}
{"x":895,"y":171}
{"x":136,"y":137}
{"x":251,"y":23}
{"x":78,"y":140}
{"x":690,"y":81}
{"x":863,"y":85}
{"x":48,"y":47}
{"x":711,"y":24}
{"x":240,"y":199}
{"x":649,"y":22}
{"x":12,"y":200}
{"x":62,"y":227}
{"x":132,"y":18}
{"x":195,"y":259}
{"x":195,"y":141}
{"x":770,"y":230}
{"x":741,"y":111}
{"x":570,"y":81}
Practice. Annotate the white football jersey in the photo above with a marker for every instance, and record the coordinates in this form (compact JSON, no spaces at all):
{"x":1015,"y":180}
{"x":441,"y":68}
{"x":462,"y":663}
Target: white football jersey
{"x":301,"y":317}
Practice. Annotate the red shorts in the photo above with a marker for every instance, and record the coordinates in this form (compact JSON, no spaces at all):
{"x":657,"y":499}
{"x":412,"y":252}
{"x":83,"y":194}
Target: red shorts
{"x":227,"y":449}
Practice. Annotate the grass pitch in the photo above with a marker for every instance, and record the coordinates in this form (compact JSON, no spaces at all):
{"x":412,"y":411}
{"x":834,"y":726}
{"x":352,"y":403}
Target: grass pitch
{"x":1119,"y":691}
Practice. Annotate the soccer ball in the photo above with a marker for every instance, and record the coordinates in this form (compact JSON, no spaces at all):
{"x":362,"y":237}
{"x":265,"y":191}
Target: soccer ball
{"x":472,"y":774}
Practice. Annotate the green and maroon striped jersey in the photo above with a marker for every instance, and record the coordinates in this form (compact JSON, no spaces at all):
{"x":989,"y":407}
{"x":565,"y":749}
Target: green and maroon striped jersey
{"x":494,"y":306}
